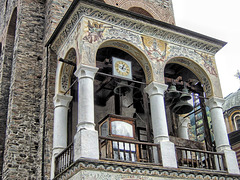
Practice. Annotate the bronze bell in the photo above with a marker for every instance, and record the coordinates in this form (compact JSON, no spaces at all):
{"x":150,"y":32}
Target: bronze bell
{"x":182,"y":107}
{"x":122,"y":88}
{"x":172,"y":92}
{"x":185,"y":96}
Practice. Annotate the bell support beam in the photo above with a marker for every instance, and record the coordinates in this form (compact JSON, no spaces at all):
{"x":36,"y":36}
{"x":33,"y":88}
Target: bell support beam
{"x":220,"y":134}
{"x":86,"y":138}
{"x":159,"y":123}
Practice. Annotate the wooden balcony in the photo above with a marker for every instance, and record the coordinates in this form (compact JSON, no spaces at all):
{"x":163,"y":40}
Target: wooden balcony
{"x":135,"y":153}
{"x":117,"y":149}
{"x":64,"y":159}
{"x":200,"y":159}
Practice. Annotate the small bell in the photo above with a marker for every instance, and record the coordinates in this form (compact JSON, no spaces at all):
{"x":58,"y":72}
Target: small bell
{"x":182,"y":107}
{"x":185,"y":96}
{"x":172,"y":92}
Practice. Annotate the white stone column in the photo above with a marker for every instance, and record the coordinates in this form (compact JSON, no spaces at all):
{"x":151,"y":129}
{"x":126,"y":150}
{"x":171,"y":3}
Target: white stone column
{"x":86,"y":138}
{"x":220,"y":134}
{"x":159,"y":123}
{"x":183,"y":127}
{"x":61,"y":104}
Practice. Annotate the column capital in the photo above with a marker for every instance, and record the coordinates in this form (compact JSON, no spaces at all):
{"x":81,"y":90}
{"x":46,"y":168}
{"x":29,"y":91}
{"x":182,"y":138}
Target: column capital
{"x":155,"y":88}
{"x":61,"y":100}
{"x":215,"y":102}
{"x":85,"y":71}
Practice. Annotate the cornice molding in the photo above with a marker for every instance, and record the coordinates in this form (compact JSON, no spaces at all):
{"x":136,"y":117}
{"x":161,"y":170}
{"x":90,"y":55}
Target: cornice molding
{"x":132,"y":22}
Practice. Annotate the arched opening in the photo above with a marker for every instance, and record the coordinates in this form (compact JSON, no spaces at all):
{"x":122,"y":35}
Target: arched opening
{"x":73,"y":109}
{"x":140,"y":11}
{"x":8,"y":58}
{"x":236,"y":120}
{"x":69,"y":86}
{"x":121,"y":106}
{"x":185,"y":101}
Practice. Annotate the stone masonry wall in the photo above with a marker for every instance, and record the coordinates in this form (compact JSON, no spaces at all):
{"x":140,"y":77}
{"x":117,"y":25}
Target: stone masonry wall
{"x":6,"y":65}
{"x":47,"y":110}
{"x":7,"y":39}
{"x":55,"y":10}
{"x":54,"y":13}
{"x":22,"y":135}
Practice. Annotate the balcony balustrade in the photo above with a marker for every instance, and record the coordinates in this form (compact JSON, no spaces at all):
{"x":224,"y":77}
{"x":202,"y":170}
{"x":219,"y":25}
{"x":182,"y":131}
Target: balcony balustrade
{"x":122,"y":150}
{"x":194,"y":158}
{"x":128,"y":150}
{"x":64,"y":159}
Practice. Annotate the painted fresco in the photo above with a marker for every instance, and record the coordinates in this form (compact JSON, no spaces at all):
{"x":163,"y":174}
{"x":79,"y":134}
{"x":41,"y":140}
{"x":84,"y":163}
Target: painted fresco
{"x":96,"y":34}
{"x":133,"y":25}
{"x":65,"y":78}
{"x":94,"y":31}
{"x":206,"y":61}
{"x":151,"y":53}
{"x":209,"y":63}
{"x":67,"y":71}
{"x":157,"y":51}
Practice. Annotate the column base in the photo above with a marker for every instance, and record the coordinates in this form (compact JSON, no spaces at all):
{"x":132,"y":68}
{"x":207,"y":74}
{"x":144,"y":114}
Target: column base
{"x":231,"y":161}
{"x":86,"y":144}
{"x":168,"y":154}
{"x":222,"y":148}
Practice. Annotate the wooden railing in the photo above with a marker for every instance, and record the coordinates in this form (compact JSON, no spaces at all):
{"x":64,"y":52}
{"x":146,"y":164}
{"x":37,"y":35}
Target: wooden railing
{"x":128,"y":150}
{"x":200,"y":159}
{"x":64,"y":159}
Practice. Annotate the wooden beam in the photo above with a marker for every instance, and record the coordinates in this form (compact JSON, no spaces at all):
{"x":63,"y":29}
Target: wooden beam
{"x":67,"y":62}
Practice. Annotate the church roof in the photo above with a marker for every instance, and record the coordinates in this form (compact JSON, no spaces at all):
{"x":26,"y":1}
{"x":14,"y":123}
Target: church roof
{"x":232,"y":100}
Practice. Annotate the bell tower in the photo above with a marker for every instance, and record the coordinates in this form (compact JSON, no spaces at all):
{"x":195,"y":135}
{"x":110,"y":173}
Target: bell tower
{"x":157,"y":9}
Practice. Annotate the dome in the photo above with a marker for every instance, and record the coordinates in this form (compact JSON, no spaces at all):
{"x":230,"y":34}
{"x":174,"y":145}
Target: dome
{"x":232,"y":100}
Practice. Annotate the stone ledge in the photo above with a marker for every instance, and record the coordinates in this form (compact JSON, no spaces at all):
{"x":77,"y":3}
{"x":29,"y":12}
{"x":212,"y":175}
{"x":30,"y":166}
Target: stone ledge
{"x":99,"y":169}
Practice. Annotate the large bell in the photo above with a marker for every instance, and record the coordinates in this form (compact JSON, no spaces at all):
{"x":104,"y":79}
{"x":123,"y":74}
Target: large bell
{"x":122,"y":88}
{"x":172,"y":92}
{"x":182,"y":107}
{"x":185,"y":96}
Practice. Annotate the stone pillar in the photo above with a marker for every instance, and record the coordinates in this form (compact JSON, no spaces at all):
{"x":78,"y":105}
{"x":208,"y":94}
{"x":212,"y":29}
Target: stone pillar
{"x":61,"y":104}
{"x":220,"y":134}
{"x":86,"y":138}
{"x":159,"y":123}
{"x":183,"y":127}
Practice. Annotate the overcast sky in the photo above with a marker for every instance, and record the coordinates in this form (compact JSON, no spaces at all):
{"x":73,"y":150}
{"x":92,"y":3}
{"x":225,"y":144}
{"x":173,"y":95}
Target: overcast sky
{"x":219,"y":19}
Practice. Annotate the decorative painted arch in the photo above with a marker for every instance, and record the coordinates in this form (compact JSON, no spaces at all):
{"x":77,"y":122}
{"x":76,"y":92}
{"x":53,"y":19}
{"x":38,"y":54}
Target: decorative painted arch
{"x":65,"y":72}
{"x":143,"y":5}
{"x":234,"y":118}
{"x":140,"y":11}
{"x":126,"y":4}
{"x":134,"y":52}
{"x":197,"y":70}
